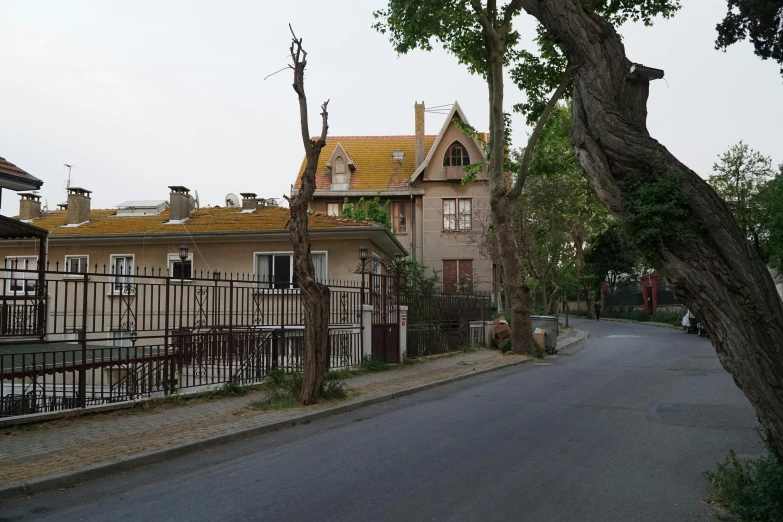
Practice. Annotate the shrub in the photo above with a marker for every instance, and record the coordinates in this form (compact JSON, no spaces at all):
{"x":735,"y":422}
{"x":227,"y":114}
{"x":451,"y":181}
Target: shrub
{"x":233,"y":389}
{"x":372,"y":365}
{"x":505,"y":345}
{"x":276,"y":376}
{"x":666,"y":317}
{"x":752,"y":491}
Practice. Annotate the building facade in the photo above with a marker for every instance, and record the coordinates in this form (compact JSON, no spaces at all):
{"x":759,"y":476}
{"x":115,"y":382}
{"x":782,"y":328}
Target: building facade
{"x":440,"y":220}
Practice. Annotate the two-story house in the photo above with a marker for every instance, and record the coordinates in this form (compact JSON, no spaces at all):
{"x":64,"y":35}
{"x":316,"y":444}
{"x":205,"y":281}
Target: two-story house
{"x":442,"y":221}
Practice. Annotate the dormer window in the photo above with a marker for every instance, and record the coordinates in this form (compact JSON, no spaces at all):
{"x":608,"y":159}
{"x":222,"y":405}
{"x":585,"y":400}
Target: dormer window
{"x":456,"y":156}
{"x":339,"y":171}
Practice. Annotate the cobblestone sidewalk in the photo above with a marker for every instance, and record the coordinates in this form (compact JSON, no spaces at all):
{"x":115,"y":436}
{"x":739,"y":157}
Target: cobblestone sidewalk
{"x":32,"y":451}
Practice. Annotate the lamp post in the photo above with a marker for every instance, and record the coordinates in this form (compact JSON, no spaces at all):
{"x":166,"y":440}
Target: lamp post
{"x":364,"y":255}
{"x":183,"y":255}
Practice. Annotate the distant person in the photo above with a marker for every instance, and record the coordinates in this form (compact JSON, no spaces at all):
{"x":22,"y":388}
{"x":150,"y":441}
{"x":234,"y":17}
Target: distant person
{"x":597,"y":308}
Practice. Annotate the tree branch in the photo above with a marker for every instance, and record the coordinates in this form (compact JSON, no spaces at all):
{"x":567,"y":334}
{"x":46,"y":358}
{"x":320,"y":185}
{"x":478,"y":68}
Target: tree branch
{"x":524,"y":166}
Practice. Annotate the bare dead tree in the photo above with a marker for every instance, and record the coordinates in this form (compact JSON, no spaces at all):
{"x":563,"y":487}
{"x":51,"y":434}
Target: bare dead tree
{"x":315,"y":295}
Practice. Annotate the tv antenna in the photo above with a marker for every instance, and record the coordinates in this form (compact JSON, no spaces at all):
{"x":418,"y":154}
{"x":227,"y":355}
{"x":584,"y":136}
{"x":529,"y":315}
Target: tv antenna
{"x":68,"y":183}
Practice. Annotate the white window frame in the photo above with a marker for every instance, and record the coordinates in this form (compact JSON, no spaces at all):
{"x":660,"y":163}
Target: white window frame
{"x":458,"y":215}
{"x":121,"y":335}
{"x":9,"y":272}
{"x":76,"y":275}
{"x":173,"y":258}
{"x":126,"y":279}
{"x":265,"y":285}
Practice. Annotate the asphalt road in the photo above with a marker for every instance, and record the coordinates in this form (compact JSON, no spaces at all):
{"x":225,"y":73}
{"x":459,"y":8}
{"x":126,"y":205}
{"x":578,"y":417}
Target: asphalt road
{"x":620,"y":429}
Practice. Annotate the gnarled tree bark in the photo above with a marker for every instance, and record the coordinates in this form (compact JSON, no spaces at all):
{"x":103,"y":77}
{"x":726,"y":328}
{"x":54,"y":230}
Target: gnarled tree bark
{"x":314,"y":294}
{"x":717,"y":274}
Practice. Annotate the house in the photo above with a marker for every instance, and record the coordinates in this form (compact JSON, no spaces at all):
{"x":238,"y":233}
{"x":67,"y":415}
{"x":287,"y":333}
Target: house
{"x":441,"y":221}
{"x":145,"y":236}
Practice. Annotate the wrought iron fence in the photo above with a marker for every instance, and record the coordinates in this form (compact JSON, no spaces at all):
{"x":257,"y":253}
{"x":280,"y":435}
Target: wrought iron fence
{"x":79,"y":339}
{"x":440,"y":323}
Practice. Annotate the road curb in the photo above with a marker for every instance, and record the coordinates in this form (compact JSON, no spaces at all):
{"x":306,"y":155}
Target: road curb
{"x":71,"y":478}
{"x":657,"y":325}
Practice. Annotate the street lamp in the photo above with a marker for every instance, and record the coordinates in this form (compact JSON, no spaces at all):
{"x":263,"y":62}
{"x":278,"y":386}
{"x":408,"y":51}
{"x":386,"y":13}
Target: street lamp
{"x":183,"y":253}
{"x":216,"y":275}
{"x":398,"y":257}
{"x":363,"y":255}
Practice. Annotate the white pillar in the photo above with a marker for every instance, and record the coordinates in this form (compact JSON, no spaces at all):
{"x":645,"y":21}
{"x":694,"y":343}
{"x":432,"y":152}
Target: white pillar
{"x":367,"y":332}
{"x":403,"y":331}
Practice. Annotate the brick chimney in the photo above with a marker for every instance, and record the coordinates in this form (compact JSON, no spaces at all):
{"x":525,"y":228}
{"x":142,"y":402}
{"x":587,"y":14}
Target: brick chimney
{"x":78,"y":205}
{"x":419,"y":109}
{"x":179,"y":203}
{"x":249,"y":200}
{"x":29,"y":206}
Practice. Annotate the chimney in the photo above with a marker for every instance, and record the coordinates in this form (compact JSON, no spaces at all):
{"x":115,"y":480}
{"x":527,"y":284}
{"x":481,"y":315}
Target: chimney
{"x":29,"y":206}
{"x":419,"y":109}
{"x":179,"y":203}
{"x":78,"y":205}
{"x":249,"y":200}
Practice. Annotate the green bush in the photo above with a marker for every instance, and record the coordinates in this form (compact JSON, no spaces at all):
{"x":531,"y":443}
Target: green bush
{"x":505,"y":345}
{"x":234,"y":389}
{"x":751,"y":491}
{"x":372,"y":365}
{"x":666,"y":317}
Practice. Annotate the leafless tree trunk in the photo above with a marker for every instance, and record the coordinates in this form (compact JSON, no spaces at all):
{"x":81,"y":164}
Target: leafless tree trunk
{"x":314,"y":294}
{"x":580,"y":275}
{"x":716,"y":273}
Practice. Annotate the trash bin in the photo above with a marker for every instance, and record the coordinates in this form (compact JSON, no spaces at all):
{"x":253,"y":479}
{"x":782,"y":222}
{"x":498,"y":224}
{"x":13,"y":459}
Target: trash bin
{"x":549,"y":324}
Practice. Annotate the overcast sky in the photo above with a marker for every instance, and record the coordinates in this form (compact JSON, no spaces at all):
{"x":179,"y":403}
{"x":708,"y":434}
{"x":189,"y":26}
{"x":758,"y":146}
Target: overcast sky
{"x":143,"y":94}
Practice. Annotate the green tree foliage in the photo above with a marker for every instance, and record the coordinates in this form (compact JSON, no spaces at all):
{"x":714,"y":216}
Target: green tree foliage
{"x":557,"y":209}
{"x":610,"y":257}
{"x":418,"y":280}
{"x":771,"y":200}
{"x":761,"y":21}
{"x":368,"y":211}
{"x":740,"y":173}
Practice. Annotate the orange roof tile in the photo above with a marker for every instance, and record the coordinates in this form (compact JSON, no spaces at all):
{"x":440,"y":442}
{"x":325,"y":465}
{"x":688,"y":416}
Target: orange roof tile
{"x":372,"y":156}
{"x":104,"y":221}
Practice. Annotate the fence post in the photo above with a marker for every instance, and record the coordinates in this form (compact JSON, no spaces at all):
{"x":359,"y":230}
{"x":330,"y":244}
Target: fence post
{"x":402,"y":318}
{"x":83,"y":342}
{"x":367,"y":310}
{"x":168,"y":360}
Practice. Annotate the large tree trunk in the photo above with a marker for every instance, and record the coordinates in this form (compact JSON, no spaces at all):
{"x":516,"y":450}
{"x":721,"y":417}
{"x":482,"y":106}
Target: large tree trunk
{"x":314,"y":294}
{"x":716,"y":273}
{"x":500,"y":204}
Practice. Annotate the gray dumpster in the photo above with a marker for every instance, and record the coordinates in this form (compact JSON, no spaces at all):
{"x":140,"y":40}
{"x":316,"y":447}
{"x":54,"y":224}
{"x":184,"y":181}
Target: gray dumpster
{"x":549,"y":324}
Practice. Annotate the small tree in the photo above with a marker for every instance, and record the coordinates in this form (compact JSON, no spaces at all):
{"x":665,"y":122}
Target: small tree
{"x":739,"y":175}
{"x":315,"y":295}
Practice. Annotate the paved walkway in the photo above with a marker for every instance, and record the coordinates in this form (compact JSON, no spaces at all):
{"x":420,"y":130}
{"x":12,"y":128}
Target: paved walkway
{"x":37,"y":450}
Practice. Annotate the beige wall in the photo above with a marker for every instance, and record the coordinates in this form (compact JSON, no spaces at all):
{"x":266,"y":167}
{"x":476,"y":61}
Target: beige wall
{"x":227,"y":256}
{"x":435,"y":169}
{"x":435,"y":244}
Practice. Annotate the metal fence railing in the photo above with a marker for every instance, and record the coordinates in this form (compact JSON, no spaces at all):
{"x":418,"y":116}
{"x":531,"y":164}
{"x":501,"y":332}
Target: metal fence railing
{"x":79,"y":339}
{"x":440,"y":323}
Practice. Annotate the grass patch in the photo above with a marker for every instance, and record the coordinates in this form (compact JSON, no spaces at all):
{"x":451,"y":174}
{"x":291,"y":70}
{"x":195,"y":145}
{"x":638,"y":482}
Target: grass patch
{"x":283,"y":393}
{"x":469,"y":348}
{"x":748,"y":491}
{"x":372,"y":365}
{"x":409,"y":361}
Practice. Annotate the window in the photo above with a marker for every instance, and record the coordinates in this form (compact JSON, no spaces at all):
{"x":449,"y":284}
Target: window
{"x":121,"y":338}
{"x":76,"y":264}
{"x":332,"y":209}
{"x":456,"y":156}
{"x":339,"y":170}
{"x":465,"y":213}
{"x":122,"y":267}
{"x":19,"y":281}
{"x":458,"y":275}
{"x":180,"y":269}
{"x":276,"y":270}
{"x":457,"y":214}
{"x":399,"y":220}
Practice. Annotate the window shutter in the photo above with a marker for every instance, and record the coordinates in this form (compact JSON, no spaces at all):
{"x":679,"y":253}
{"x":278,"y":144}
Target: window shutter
{"x":449,"y":276}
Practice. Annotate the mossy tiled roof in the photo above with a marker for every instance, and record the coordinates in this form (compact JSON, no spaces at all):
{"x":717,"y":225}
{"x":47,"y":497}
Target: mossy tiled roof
{"x":372,"y":157}
{"x":103,"y":221}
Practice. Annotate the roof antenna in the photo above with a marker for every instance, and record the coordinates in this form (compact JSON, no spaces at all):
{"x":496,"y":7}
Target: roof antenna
{"x":68,"y":183}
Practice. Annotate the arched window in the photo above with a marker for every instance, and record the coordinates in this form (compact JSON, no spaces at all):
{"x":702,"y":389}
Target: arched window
{"x":456,"y":156}
{"x":339,"y":170}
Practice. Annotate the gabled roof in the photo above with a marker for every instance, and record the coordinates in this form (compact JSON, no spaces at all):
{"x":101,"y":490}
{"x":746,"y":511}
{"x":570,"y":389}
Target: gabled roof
{"x":456,"y":110}
{"x":14,"y":178}
{"x":375,"y":170}
{"x":204,"y":220}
